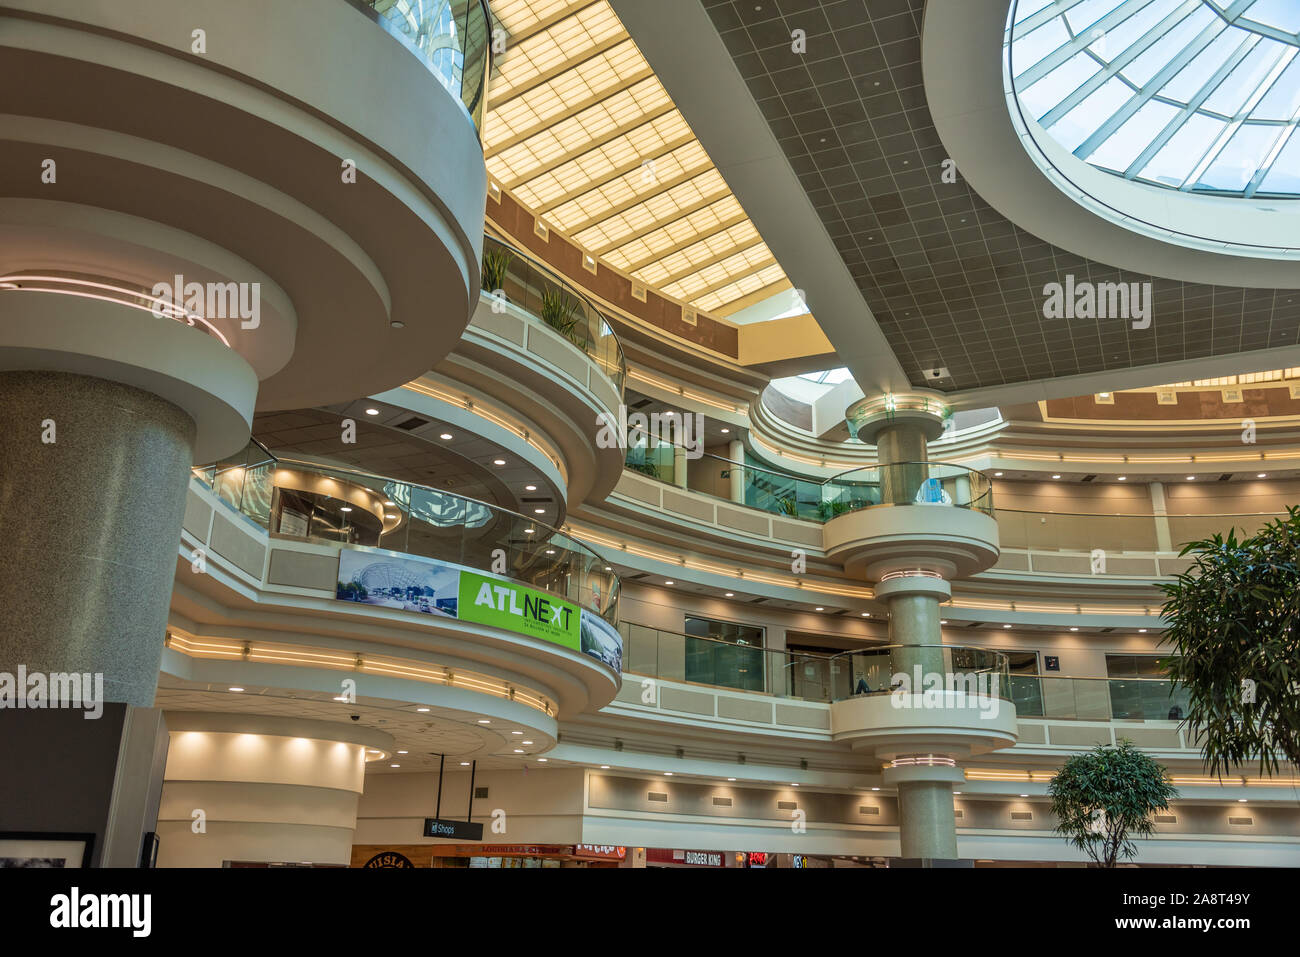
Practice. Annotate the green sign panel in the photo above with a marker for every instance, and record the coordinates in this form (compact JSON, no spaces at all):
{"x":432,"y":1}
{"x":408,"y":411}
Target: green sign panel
{"x":504,"y":604}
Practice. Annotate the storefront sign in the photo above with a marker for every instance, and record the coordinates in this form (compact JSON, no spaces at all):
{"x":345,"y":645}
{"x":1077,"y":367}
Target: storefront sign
{"x":599,"y":852}
{"x":388,"y":859}
{"x":660,"y":855}
{"x":442,"y":590}
{"x":453,"y":830}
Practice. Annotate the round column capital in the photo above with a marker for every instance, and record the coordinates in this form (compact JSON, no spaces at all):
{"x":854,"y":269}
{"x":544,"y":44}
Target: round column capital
{"x":922,"y":411}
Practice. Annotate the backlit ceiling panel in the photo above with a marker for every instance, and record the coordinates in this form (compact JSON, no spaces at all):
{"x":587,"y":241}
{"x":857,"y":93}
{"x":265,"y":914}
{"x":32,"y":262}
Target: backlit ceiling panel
{"x":581,"y":131}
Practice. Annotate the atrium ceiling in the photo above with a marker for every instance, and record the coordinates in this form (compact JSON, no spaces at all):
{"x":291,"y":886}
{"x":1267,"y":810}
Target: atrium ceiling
{"x":927,"y":276}
{"x":580,"y":130}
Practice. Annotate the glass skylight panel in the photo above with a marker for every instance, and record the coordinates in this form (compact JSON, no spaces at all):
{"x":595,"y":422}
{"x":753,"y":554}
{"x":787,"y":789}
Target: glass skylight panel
{"x":1151,"y":89}
{"x":1124,"y":146}
{"x":1281,"y":15}
{"x":1240,"y":159}
{"x":1048,"y":92}
{"x":1283,"y":98}
{"x":1077,"y":125}
{"x":1182,"y":152}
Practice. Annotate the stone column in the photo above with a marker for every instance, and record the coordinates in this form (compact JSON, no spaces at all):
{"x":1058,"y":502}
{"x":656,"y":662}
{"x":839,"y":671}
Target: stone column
{"x":93,"y":476}
{"x":927,"y":824}
{"x":736,"y":476}
{"x":679,"y":466}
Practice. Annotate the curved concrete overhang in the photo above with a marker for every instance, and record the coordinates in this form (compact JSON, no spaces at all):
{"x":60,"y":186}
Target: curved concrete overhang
{"x":192,"y":370}
{"x":942,"y":722}
{"x":244,"y":147}
{"x":953,"y":542}
{"x":962,"y":64}
{"x":260,"y":587}
{"x":520,"y":362}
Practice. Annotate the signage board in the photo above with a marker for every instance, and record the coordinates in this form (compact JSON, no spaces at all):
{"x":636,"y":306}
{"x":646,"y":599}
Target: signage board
{"x":599,"y":852}
{"x":660,"y":855}
{"x":442,"y":590}
{"x":453,"y":830}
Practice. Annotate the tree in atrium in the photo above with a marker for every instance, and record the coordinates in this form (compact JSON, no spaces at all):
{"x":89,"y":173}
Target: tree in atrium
{"x":1234,"y":623}
{"x":1102,"y":797}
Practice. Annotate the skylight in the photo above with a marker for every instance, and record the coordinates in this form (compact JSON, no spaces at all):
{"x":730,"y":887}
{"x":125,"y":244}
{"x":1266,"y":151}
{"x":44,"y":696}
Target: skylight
{"x":1201,"y":96}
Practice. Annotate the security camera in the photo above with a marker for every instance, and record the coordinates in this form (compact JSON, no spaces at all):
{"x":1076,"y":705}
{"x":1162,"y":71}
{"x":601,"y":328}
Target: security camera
{"x":355,"y":717}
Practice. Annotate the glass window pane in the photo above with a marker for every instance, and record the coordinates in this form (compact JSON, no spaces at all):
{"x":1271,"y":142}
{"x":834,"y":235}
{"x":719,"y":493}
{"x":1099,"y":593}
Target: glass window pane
{"x":1124,"y":145}
{"x":1177,"y":158}
{"x":1237,"y":164}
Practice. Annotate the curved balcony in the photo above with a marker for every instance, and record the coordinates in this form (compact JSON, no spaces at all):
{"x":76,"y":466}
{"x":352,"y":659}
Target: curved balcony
{"x":511,"y":275}
{"x":405,"y":546}
{"x":820,"y":500}
{"x":453,"y":38}
{"x":807,"y":676}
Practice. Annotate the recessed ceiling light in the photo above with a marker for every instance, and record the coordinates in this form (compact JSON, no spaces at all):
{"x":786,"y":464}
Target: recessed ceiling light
{"x":525,"y":742}
{"x":1024,"y":795}
{"x":1142,"y":631}
{"x":730,"y":594}
{"x":394,"y":765}
{"x":668,"y":774}
{"x":820,"y":608}
{"x":342,"y":698}
{"x":372,"y":411}
{"x":1262,"y":475}
{"x":403,"y":752}
{"x":997,"y":475}
{"x":943,"y":621}
{"x":398,"y":324}
{"x":1191,"y":478}
{"x":446,"y":436}
{"x":956,"y":792}
{"x":1074,"y":629}
{"x":1241,"y":800}
{"x":236,"y":689}
{"x":389,"y":515}
{"x":604,"y":767}
{"x":875,"y":789}
{"x":464,"y":764}
{"x":498,"y":461}
{"x":530,"y":488}
{"x":539,"y":511}
{"x":550,"y":551}
{"x":543,"y":760}
{"x":345,"y":508}
{"x":1056,"y":476}
{"x":484,"y":721}
{"x":516,"y":732}
{"x":1006,"y":626}
{"x":866,"y":614}
{"x":667,"y":583}
{"x":389,"y":502}
{"x":421,"y":709}
{"x":608,"y":569}
{"x":726,"y":431}
{"x":731,"y":779}
{"x":1123,"y":478}
{"x":519,"y":750}
{"x":529,"y":531}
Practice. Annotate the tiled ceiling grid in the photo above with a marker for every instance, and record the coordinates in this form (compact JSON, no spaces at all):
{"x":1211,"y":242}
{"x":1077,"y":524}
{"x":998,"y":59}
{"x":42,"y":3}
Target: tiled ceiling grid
{"x":582,"y":132}
{"x":951,"y":282}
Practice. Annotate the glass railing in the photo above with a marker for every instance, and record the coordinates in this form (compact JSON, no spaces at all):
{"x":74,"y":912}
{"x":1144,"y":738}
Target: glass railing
{"x":306,"y":501}
{"x":820,"y":500}
{"x":1098,"y":699}
{"x":537,"y":290}
{"x":1112,"y":535}
{"x":453,"y":38}
{"x":807,"y":676}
